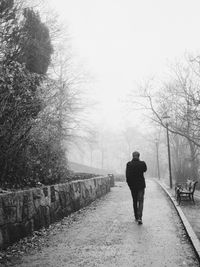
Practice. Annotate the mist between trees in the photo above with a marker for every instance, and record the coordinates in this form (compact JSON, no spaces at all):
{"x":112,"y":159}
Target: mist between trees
{"x":39,"y":98}
{"x":177,"y":97}
{"x":42,"y":110}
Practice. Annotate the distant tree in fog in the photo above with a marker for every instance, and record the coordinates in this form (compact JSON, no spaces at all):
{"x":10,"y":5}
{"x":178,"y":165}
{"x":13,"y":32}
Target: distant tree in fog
{"x":180,"y":98}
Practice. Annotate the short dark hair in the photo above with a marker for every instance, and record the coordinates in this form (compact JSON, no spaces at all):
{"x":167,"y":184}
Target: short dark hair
{"x":136,"y":154}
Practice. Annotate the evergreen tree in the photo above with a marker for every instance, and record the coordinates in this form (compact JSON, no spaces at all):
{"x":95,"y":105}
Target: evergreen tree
{"x":25,"y":51}
{"x":36,"y":49}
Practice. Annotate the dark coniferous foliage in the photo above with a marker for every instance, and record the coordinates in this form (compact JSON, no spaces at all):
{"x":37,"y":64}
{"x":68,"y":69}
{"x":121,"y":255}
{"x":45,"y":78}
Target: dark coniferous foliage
{"x":36,"y":49}
{"x":25,"y":53}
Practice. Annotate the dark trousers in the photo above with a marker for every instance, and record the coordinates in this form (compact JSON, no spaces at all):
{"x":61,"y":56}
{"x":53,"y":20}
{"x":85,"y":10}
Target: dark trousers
{"x":138,"y":200}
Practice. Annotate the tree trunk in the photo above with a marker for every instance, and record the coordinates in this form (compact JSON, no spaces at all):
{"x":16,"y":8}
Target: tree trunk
{"x":194,"y":163}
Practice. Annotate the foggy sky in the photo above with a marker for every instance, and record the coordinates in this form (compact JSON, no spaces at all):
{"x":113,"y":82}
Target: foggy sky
{"x":123,"y":42}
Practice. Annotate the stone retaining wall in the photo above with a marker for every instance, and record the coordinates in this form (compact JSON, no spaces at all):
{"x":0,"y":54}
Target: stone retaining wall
{"x":23,"y":212}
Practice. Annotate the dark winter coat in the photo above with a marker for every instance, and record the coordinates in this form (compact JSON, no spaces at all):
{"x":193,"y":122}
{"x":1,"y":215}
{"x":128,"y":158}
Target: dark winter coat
{"x":135,"y":174}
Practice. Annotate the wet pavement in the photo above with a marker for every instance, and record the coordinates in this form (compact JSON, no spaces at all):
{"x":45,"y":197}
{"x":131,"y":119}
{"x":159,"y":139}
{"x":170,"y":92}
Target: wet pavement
{"x":105,"y":234}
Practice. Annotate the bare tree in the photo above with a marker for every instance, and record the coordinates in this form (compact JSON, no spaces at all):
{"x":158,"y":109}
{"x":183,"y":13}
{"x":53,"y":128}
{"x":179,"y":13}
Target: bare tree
{"x":179,"y":98}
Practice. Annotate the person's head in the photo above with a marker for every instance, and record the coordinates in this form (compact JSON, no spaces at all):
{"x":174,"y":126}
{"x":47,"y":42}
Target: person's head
{"x":136,"y":155}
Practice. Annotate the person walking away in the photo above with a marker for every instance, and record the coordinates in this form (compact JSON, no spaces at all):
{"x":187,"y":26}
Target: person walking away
{"x":135,"y":179}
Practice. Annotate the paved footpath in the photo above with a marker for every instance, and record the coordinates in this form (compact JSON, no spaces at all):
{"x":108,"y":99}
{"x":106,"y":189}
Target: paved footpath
{"x":105,"y":234}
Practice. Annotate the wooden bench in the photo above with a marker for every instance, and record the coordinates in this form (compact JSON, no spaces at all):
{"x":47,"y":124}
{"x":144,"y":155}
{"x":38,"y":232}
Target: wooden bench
{"x":185,"y":191}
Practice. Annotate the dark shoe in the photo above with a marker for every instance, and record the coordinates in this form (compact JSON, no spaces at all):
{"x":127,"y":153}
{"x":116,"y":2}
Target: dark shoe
{"x":136,"y":217}
{"x":139,"y":221}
